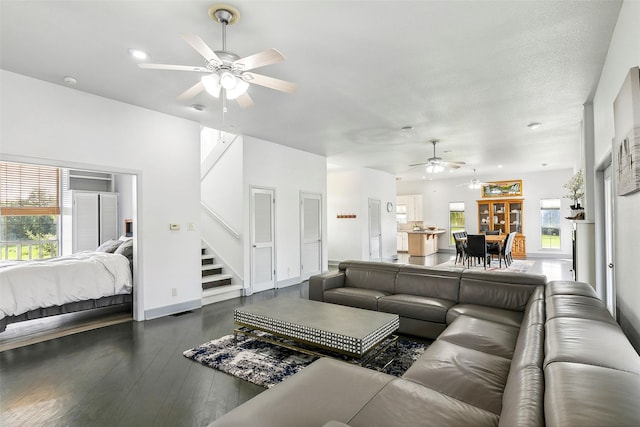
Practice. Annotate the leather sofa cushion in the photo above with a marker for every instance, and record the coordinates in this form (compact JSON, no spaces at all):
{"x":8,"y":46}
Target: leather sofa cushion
{"x":587,"y":395}
{"x":529,"y":349}
{"x":404,"y":403}
{"x":354,"y":297}
{"x":380,"y":277}
{"x":591,"y":342}
{"x":508,"y":317}
{"x":416,"y":307}
{"x":465,"y":374}
{"x":428,"y":282}
{"x":522,"y":401}
{"x":509,"y":291}
{"x":534,"y":313}
{"x":563,"y":287}
{"x":482,"y":335}
{"x":577,"y":307}
{"x":323,"y":391}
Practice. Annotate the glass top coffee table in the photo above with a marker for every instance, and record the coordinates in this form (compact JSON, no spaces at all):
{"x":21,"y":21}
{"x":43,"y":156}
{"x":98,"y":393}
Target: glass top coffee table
{"x":313,"y":327}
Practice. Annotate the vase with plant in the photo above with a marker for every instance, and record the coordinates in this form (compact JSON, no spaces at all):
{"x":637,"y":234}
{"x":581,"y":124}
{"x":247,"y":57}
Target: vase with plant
{"x":576,"y":190}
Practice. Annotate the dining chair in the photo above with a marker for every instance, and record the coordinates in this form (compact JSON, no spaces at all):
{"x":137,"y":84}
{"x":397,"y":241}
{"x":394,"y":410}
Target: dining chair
{"x":509,"y":245}
{"x":500,"y":249}
{"x":477,"y":249}
{"x":460,"y":247}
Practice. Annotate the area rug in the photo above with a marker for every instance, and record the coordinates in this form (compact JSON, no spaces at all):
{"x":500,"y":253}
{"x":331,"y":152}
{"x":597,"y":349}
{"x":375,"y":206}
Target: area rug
{"x":517,"y":266}
{"x":266,"y":365}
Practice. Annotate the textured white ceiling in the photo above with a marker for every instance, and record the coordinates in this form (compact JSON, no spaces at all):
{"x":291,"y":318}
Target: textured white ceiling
{"x":472,"y":74}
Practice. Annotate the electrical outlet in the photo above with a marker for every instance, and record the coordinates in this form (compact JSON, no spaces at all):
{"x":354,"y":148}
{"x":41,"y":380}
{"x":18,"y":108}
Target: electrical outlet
{"x":174,"y":292}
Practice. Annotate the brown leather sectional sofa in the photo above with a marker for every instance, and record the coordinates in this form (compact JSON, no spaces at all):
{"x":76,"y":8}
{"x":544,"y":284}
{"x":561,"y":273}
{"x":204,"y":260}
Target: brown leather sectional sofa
{"x":509,"y":350}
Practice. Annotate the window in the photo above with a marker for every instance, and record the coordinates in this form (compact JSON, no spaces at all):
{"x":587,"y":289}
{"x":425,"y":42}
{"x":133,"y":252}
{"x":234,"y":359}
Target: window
{"x":456,"y":220}
{"x":29,"y":211}
{"x":550,"y":223}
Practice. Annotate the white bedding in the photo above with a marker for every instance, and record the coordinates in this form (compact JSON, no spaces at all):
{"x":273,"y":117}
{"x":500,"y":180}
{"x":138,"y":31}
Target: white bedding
{"x":27,"y":285}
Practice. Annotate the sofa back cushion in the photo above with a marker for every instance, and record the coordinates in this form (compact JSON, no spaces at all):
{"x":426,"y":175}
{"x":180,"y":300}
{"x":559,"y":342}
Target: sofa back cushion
{"x":370,"y":275}
{"x":509,"y":291}
{"x":429,"y":282}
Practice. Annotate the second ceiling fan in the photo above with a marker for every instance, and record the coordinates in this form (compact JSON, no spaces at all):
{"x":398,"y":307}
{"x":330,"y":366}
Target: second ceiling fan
{"x":226,"y":73}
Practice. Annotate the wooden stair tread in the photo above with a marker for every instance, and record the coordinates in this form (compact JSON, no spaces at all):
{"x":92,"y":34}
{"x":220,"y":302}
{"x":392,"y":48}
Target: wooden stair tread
{"x":216,"y":278}
{"x":212,"y":266}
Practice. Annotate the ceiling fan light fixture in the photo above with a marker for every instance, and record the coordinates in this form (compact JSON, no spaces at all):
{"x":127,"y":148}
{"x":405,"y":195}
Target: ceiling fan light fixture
{"x":434,"y":168}
{"x":239,"y":89}
{"x":228,"y":80}
{"x":211,"y":83}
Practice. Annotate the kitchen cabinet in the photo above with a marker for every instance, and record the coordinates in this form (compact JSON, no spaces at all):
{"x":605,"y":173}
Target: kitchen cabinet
{"x":403,"y":241}
{"x":410,"y":206}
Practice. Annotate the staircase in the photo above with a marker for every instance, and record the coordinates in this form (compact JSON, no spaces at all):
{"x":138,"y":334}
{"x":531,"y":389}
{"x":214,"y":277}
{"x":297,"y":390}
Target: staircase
{"x":212,"y":276}
{"x":216,"y":286}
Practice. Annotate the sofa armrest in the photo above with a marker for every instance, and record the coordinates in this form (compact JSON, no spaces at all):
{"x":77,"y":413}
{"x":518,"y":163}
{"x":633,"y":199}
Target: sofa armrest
{"x":325,"y":281}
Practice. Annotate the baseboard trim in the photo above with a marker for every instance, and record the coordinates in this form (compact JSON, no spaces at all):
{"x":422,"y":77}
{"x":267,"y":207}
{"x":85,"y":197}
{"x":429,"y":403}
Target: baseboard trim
{"x":155,"y":313}
{"x":288,"y":282}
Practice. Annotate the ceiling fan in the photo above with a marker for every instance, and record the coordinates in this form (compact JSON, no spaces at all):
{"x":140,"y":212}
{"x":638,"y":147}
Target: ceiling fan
{"x":226,"y":73}
{"x":474,"y":184}
{"x":436,"y":164}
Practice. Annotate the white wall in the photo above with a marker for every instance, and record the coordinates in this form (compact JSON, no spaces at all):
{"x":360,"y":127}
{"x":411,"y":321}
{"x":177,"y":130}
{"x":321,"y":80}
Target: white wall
{"x":288,"y":171}
{"x":51,"y":124}
{"x":222,"y":192}
{"x":349,"y":193}
{"x":437,"y":194}
{"x":124,"y":186}
{"x":623,"y":54}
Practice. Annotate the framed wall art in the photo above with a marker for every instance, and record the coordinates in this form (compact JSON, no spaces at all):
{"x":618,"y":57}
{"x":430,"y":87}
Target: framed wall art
{"x":503,"y":189}
{"x":627,"y":166}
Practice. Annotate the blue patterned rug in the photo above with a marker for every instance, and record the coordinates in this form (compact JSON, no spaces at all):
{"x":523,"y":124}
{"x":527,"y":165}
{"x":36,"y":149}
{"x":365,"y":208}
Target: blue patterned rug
{"x":266,"y":365}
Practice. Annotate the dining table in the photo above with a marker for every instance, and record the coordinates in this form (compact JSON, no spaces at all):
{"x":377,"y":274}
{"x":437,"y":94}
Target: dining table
{"x":490,"y":238}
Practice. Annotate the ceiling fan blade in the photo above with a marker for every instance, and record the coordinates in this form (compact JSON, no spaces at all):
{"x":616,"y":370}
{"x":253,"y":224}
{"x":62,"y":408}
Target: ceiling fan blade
{"x":452,"y":165}
{"x":270,"y":82}
{"x":192,"y":91}
{"x":245,"y":101}
{"x":260,"y":59}
{"x":419,"y":164}
{"x":201,"y":47}
{"x":174,"y":67}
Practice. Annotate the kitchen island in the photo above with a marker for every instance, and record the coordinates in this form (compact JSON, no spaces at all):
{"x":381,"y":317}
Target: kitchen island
{"x":424,"y":242}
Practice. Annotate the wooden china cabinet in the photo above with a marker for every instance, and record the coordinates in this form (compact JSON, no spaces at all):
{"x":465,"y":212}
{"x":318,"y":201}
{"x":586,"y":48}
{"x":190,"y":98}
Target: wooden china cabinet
{"x":504,"y":215}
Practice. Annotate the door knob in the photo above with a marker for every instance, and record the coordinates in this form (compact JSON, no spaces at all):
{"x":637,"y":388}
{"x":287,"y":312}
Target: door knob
{"x":610,"y":265}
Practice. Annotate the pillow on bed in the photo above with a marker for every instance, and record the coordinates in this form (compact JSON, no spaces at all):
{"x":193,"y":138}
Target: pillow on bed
{"x":126,"y":249}
{"x":109,"y":246}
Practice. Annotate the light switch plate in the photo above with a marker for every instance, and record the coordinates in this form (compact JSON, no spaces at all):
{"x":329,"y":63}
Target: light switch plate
{"x":174,"y":227}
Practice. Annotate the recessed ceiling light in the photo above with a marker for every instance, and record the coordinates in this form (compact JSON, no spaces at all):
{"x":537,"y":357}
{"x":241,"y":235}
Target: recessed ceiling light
{"x":406,"y":128}
{"x":534,"y":125}
{"x":198,"y":107}
{"x":499,"y":166}
{"x":70,"y":80}
{"x":138,"y":54}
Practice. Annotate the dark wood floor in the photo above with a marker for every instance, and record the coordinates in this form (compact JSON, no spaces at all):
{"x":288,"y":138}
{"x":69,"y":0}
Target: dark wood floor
{"x":134,"y":374}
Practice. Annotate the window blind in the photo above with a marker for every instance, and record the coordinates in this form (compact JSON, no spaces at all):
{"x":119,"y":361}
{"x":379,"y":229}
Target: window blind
{"x":29,"y":189}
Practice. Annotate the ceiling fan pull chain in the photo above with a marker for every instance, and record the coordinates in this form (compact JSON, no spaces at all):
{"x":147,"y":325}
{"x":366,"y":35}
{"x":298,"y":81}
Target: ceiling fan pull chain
{"x":224,"y":103}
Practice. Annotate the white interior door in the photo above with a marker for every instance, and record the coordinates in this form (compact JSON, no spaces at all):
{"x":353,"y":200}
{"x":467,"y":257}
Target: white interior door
{"x":610,"y":292}
{"x":262,"y":239}
{"x":108,"y":217}
{"x":310,"y":235}
{"x":375,"y":233}
{"x":84,"y":221}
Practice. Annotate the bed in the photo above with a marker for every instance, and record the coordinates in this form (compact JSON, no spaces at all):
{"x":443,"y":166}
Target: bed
{"x":82,"y":281}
